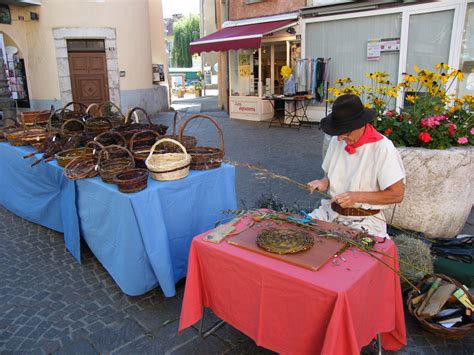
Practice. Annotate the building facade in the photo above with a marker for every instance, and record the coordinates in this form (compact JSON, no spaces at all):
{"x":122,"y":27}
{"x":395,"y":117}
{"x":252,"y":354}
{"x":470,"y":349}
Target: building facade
{"x":89,"y":51}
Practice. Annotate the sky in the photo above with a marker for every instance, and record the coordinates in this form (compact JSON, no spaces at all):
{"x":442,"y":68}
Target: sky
{"x":184,"y":7}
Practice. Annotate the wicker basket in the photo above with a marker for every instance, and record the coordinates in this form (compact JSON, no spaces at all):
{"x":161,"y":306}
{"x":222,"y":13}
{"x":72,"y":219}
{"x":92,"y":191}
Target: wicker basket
{"x":168,"y":166}
{"x":130,"y":127}
{"x":34,"y":118}
{"x":140,"y":145}
{"x":93,"y":110}
{"x":71,"y":110}
{"x":437,"y":329}
{"x":111,"y":138}
{"x":5,"y":130}
{"x":205,"y":158}
{"x":82,"y":167}
{"x":72,"y":127}
{"x":96,"y":126}
{"x":113,"y":160}
{"x":132,"y":180}
{"x":111,"y":111}
{"x":188,"y":141}
{"x":65,"y":157}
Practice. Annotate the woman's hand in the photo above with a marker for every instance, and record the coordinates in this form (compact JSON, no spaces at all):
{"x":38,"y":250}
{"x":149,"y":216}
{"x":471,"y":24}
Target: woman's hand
{"x":346,"y":199}
{"x":318,"y":185}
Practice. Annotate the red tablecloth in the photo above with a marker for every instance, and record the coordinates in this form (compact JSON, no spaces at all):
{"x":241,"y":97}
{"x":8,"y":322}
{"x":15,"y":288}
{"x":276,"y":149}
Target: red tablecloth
{"x":288,"y":309}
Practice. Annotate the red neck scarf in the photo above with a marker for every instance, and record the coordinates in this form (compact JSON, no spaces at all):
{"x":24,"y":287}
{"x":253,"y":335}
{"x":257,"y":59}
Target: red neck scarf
{"x":370,"y":136}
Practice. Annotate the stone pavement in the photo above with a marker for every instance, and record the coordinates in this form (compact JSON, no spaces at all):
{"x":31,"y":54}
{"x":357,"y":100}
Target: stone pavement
{"x":51,"y":304}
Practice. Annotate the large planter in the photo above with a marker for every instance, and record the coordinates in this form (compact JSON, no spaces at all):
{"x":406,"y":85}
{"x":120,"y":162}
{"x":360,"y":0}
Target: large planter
{"x":439,"y":191}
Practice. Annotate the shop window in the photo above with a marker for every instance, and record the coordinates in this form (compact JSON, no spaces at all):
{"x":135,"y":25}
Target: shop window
{"x":243,"y":72}
{"x":466,"y":87}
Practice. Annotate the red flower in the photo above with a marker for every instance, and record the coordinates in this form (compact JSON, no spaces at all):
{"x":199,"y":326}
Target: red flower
{"x":388,"y":131}
{"x":424,"y":137}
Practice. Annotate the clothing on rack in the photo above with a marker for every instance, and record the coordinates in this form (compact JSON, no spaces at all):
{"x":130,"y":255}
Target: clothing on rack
{"x":312,"y":76}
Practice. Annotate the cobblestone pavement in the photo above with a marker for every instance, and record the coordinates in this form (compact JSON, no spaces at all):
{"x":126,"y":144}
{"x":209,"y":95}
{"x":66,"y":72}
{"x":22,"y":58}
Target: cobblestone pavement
{"x":51,"y":304}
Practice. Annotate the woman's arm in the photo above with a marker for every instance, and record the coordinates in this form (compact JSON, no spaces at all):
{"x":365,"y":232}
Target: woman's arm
{"x":392,"y":194}
{"x":320,"y":185}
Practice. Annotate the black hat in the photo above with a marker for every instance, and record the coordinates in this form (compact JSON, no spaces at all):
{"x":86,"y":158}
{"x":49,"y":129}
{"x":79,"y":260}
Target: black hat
{"x":347,"y":114}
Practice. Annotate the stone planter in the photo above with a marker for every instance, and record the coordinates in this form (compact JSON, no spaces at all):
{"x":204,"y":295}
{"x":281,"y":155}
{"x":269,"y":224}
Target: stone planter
{"x":439,"y":191}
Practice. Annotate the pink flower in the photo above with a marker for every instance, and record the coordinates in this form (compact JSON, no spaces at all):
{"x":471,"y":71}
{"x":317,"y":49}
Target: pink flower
{"x":462,"y":140}
{"x":389,"y":113}
{"x":472,"y":131}
{"x":451,"y":128}
{"x":432,"y":121}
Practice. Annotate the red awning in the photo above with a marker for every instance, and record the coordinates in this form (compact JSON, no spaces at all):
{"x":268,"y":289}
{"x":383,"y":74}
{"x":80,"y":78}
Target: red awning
{"x":237,"y":37}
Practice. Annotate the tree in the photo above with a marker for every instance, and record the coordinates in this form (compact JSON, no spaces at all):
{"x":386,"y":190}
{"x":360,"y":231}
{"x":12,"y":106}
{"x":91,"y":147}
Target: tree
{"x":185,"y":31}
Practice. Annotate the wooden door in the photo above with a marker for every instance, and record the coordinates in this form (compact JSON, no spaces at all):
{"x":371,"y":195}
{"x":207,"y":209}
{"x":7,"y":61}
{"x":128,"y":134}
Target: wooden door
{"x":88,"y":77}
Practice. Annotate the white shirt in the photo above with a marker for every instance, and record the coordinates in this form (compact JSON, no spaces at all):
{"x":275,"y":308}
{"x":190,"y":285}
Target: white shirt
{"x":373,"y":167}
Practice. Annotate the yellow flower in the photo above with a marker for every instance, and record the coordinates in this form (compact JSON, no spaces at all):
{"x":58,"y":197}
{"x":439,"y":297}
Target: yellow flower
{"x":367,"y":105}
{"x":415,"y":67}
{"x":410,"y":98}
{"x":285,"y":72}
{"x":454,"y":108}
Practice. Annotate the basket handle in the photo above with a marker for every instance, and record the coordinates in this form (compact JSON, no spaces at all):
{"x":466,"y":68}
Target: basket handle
{"x":90,"y":107}
{"x":176,"y":113}
{"x":110,"y":103}
{"x":111,"y":133}
{"x":132,"y":111}
{"x":69,"y":121}
{"x":219,"y":130}
{"x":152,"y":150}
{"x":105,"y":150}
{"x":82,"y":107}
{"x":139,"y":133}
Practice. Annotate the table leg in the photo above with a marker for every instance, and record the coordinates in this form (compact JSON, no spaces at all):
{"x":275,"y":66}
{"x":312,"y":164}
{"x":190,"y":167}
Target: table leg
{"x":379,"y":344}
{"x":204,"y":334}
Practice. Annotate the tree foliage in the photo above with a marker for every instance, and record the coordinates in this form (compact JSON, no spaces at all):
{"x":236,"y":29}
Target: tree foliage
{"x":185,"y":31}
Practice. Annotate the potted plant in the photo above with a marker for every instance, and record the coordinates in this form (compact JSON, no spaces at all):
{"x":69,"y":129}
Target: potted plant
{"x":434,"y":133}
{"x":180,"y":92}
{"x":198,"y":89}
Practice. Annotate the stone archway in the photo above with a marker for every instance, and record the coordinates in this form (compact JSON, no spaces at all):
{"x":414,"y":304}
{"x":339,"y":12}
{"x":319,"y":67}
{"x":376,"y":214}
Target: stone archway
{"x":108,"y":34}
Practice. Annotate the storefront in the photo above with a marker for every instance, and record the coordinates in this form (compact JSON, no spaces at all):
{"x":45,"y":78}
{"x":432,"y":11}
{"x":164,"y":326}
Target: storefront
{"x":422,"y":35}
{"x":258,"y":49}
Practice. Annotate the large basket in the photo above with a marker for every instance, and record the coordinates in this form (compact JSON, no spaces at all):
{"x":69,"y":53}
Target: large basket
{"x":72,"y":127}
{"x":5,"y":130}
{"x":110,"y":164}
{"x":132,"y":180}
{"x":33,"y":118}
{"x":71,"y":110}
{"x":168,"y":166}
{"x":96,"y":126}
{"x":132,"y":124}
{"x":140,"y":145}
{"x":188,"y":141}
{"x":205,"y":158}
{"x":65,"y":157}
{"x":437,"y":329}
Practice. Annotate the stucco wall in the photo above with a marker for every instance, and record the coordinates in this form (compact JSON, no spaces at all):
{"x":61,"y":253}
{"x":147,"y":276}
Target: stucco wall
{"x":130,"y":19}
{"x":238,"y":9}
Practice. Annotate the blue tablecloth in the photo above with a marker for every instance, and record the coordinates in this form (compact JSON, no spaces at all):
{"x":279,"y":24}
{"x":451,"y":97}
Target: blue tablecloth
{"x":40,"y":194}
{"x":142,"y":239}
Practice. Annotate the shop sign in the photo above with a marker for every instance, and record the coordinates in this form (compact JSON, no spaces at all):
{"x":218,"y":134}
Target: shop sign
{"x":244,"y":107}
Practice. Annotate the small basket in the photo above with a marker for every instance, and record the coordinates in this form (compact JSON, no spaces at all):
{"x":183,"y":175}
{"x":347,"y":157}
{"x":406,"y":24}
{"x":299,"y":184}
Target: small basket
{"x":437,"y":329}
{"x":168,"y":166}
{"x":78,"y":111}
{"x":5,"y":130}
{"x":132,"y":180}
{"x":82,"y":167}
{"x":111,"y":138}
{"x":93,"y":110}
{"x":129,"y":128}
{"x":65,"y":157}
{"x":205,"y":158}
{"x":33,"y":118}
{"x":140,"y":145}
{"x":113,"y":160}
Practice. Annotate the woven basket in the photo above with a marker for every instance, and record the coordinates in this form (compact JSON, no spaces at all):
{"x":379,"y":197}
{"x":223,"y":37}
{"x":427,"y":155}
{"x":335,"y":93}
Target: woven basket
{"x":188,"y":141}
{"x":435,"y":328}
{"x":65,"y":157}
{"x":33,"y":118}
{"x":111,"y":138}
{"x":132,"y":180}
{"x":73,"y":109}
{"x":111,"y":162}
{"x":168,"y":166}
{"x":82,"y":167}
{"x":132,"y":126}
{"x":72,"y":127}
{"x":111,"y":111}
{"x":140,"y":146}
{"x":96,"y":126}
{"x":93,"y":110}
{"x":205,"y":158}
{"x":5,"y":130}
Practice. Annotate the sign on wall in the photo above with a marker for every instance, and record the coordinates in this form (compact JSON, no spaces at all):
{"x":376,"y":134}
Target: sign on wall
{"x":158,"y":73}
{"x":376,"y":47}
